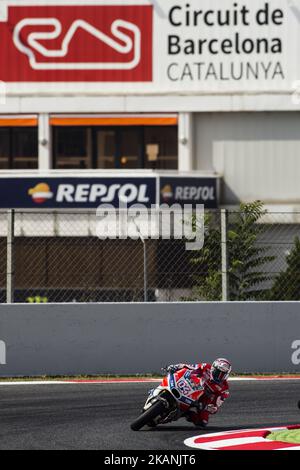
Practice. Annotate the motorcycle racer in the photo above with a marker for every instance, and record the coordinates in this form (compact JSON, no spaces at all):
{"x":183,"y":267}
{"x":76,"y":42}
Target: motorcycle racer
{"x":216,"y":387}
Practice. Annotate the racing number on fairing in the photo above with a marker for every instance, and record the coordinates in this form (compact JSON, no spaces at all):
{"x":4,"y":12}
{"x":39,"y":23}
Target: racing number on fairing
{"x":184,"y":387}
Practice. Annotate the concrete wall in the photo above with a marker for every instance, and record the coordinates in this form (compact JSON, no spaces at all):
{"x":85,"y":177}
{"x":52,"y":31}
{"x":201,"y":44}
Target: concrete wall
{"x":135,"y":338}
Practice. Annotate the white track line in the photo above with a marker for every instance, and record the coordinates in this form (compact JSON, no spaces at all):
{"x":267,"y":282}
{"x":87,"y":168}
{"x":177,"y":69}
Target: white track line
{"x":214,"y":445}
{"x":35,"y":382}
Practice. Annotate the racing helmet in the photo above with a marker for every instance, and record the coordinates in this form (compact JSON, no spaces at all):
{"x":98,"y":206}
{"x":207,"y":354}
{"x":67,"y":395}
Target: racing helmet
{"x":220,"y":370}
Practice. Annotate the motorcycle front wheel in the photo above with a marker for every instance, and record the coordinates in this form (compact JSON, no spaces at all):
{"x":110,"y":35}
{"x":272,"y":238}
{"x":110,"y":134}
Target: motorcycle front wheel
{"x":149,"y":415}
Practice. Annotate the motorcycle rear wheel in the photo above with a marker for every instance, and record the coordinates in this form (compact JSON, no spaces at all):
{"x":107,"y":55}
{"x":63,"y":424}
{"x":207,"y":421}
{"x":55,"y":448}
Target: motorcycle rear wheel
{"x":148,"y":416}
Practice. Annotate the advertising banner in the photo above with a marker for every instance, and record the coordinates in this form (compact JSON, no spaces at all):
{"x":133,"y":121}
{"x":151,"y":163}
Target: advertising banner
{"x":147,"y":46}
{"x":178,"y":190}
{"x":90,"y":192}
{"x":75,"y":193}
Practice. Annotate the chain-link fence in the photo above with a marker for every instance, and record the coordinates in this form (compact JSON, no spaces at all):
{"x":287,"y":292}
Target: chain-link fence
{"x":264,"y":256}
{"x":58,"y":257}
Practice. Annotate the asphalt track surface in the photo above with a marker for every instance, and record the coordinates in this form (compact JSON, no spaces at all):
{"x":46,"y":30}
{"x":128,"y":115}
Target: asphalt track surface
{"x":98,"y":416}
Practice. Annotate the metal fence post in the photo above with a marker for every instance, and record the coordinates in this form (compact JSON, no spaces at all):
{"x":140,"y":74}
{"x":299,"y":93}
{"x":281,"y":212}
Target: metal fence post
{"x":145,"y":272}
{"x":224,"y":220}
{"x":145,"y":261}
{"x":10,"y":256}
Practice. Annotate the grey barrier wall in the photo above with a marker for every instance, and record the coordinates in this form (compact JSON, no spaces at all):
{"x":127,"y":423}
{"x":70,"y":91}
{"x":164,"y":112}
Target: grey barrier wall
{"x":58,"y":339}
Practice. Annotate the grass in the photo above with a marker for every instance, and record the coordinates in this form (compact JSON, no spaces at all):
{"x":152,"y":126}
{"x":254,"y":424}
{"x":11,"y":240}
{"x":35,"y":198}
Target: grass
{"x":291,"y":436}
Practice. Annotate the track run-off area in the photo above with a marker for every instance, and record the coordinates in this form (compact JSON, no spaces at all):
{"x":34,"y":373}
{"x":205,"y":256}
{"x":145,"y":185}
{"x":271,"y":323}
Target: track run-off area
{"x":97,"y":414}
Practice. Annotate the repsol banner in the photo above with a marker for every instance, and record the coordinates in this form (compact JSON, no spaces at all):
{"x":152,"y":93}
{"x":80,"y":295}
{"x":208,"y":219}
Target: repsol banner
{"x":150,"y":45}
{"x":178,"y":190}
{"x":85,"y":193}
{"x":39,"y":193}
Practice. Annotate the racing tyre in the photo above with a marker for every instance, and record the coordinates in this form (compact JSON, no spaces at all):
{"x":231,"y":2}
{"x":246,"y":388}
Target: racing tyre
{"x":148,"y":416}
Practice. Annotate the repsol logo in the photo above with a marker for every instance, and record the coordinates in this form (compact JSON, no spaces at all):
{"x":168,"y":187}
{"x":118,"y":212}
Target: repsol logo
{"x":296,"y":353}
{"x":126,"y":193}
{"x":2,"y":353}
{"x":68,"y":193}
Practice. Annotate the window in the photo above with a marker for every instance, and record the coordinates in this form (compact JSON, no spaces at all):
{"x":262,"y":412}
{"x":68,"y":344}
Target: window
{"x":4,"y":149}
{"x":161,"y":152}
{"x":130,"y":148}
{"x":24,"y":147}
{"x":106,"y":149}
{"x":72,"y":148}
{"x":18,"y":148}
{"x":115,"y":147}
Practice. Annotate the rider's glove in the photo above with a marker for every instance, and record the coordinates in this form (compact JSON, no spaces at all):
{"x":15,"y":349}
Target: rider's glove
{"x":212,"y":409}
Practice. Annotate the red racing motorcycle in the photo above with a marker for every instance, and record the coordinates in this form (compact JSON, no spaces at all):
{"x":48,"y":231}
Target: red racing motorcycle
{"x":172,"y":399}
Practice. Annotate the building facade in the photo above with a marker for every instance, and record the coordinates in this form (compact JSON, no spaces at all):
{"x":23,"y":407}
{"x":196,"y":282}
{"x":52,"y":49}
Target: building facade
{"x":184,"y":87}
{"x":155,"y":100}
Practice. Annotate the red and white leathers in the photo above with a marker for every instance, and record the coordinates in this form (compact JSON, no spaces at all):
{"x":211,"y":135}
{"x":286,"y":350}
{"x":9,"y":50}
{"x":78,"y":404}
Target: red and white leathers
{"x":215,"y":393}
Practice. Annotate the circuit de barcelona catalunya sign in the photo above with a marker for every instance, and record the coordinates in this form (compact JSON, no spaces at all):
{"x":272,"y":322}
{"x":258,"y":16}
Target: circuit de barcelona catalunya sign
{"x":150,"y":45}
{"x":84,"y":193}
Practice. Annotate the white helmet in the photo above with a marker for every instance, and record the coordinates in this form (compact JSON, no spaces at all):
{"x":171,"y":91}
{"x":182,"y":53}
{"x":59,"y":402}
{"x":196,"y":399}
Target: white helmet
{"x":220,"y":370}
